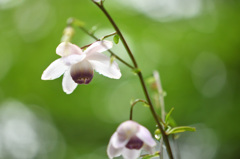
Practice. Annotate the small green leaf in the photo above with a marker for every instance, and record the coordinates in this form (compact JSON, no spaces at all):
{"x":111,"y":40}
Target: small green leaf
{"x":171,"y":122}
{"x":151,"y":156}
{"x":116,"y":39}
{"x":168,"y":115}
{"x":180,"y":129}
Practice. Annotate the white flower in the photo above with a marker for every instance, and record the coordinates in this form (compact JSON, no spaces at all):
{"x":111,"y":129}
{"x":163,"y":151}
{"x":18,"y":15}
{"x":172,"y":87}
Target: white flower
{"x":77,"y":66}
{"x":128,"y":141}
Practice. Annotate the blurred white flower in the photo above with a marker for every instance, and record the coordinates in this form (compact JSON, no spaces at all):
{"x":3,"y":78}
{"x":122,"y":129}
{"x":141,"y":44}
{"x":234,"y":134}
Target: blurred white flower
{"x":77,"y":66}
{"x":128,"y":141}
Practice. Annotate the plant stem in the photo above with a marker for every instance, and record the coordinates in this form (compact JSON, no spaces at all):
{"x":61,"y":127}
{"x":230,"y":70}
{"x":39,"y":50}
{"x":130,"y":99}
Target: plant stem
{"x":119,"y":33}
{"x":110,"y":51}
{"x":160,"y":93}
{"x":165,"y":137}
{"x":109,"y":35}
{"x":162,"y":105}
{"x":133,"y":104}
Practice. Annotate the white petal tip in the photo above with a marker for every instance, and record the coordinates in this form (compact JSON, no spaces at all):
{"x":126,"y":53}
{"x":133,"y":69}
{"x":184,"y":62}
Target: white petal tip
{"x":45,"y":78}
{"x":118,"y":77}
{"x":67,"y":91}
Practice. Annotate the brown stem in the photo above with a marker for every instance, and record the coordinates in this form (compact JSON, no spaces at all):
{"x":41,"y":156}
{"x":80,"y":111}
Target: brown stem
{"x":165,"y":137}
{"x":110,"y":51}
{"x":133,"y":104}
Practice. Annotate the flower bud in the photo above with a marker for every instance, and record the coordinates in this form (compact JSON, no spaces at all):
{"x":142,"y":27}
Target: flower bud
{"x":67,"y":34}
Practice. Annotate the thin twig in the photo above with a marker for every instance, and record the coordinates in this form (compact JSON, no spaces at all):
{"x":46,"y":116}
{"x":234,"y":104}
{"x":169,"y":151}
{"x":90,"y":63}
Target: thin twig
{"x":109,"y":35}
{"x":162,"y":105}
{"x":133,"y":104}
{"x":139,"y":73}
{"x":110,"y":51}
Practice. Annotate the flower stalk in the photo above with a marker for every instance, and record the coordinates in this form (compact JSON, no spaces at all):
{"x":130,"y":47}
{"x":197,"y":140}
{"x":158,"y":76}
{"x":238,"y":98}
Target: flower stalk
{"x":133,"y":104}
{"x":140,"y":76}
{"x":110,"y":51}
{"x":162,"y":105}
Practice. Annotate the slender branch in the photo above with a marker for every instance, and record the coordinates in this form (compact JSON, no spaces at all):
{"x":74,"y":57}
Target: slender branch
{"x":102,"y":38}
{"x":110,"y":51}
{"x":119,"y":33}
{"x":162,"y":105}
{"x":133,"y":104}
{"x":160,"y":93}
{"x":109,"y":35}
{"x":165,"y":137}
{"x":86,"y":46}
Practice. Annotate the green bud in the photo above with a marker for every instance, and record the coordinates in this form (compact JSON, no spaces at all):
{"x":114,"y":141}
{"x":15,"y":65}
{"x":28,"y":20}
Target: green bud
{"x":116,"y":39}
{"x":67,"y":34}
{"x":157,"y":134}
{"x":112,"y":59}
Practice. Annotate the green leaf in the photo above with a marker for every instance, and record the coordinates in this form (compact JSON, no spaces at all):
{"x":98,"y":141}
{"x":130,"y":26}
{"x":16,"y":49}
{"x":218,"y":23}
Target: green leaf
{"x":168,"y":115}
{"x":151,"y":156}
{"x":180,"y":129}
{"x":116,"y":39}
{"x":171,"y":122}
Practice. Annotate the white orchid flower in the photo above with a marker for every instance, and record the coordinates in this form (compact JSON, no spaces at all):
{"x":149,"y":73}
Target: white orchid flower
{"x":129,"y":139}
{"x":77,"y":65}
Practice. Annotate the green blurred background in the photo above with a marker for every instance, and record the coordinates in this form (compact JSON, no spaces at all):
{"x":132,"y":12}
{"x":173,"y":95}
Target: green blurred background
{"x":194,"y":44}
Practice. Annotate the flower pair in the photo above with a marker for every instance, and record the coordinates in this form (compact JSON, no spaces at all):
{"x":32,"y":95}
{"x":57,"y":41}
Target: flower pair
{"x":77,"y":65}
{"x":129,"y":139}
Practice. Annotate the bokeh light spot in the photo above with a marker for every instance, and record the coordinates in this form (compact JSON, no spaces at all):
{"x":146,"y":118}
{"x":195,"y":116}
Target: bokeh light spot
{"x":209,"y":74}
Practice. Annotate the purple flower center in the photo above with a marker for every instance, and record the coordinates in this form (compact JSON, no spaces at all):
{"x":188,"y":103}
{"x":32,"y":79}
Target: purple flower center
{"x":82,"y":78}
{"x":82,"y":72}
{"x":134,"y":143}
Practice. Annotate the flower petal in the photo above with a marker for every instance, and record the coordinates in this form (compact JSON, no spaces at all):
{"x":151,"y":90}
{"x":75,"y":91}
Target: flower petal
{"x":151,"y":150}
{"x":113,"y":152}
{"x":99,"y":46}
{"x":54,"y":70}
{"x":130,"y":154}
{"x":145,"y":136}
{"x":128,"y":129}
{"x":67,"y":48}
{"x":118,"y":141}
{"x":101,"y":63}
{"x":73,"y":59}
{"x":68,"y":84}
